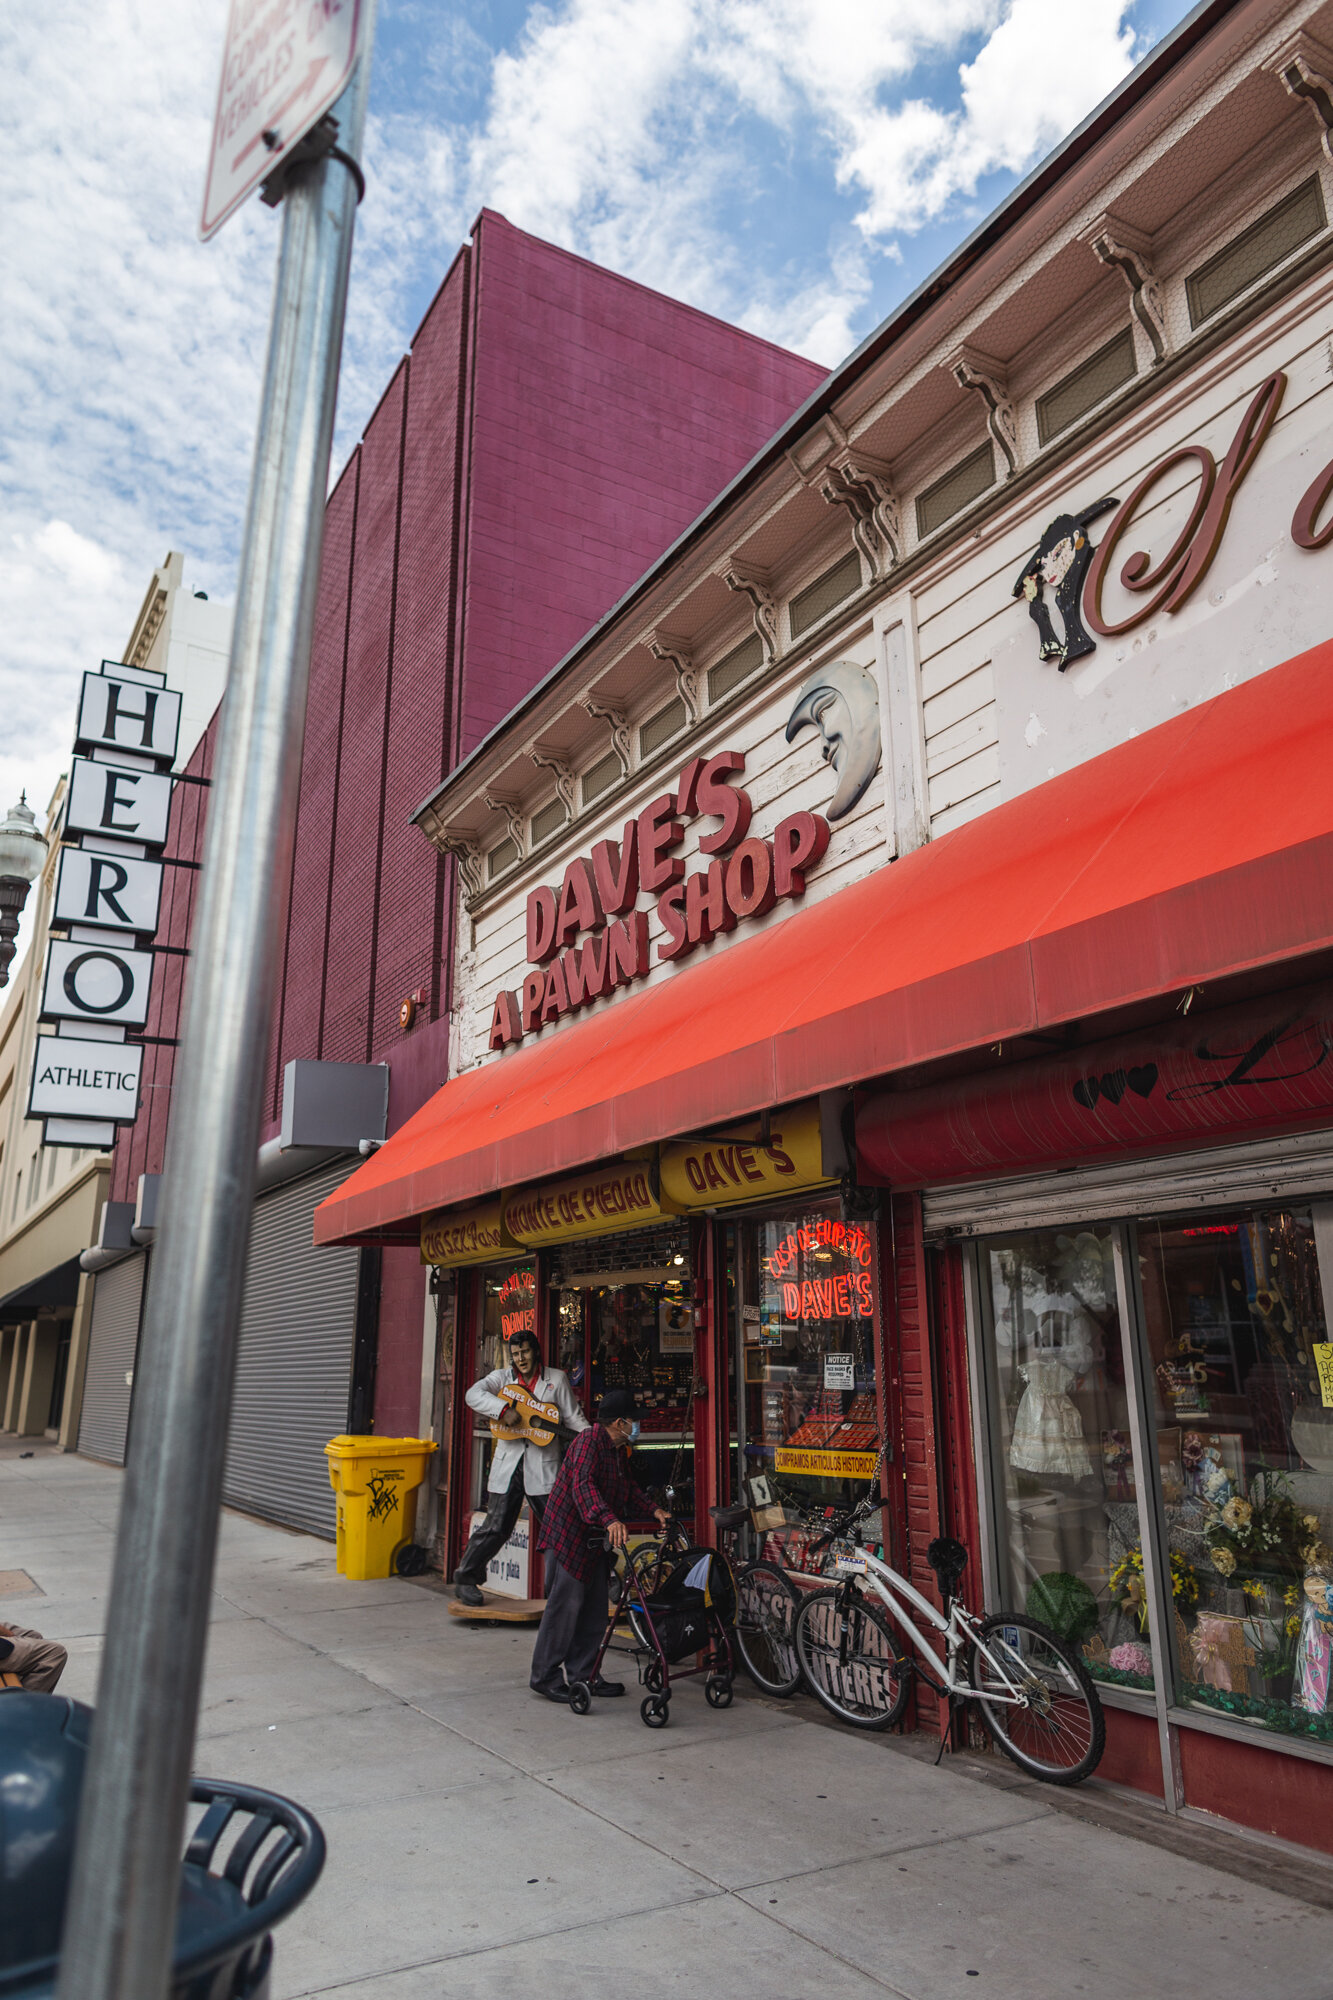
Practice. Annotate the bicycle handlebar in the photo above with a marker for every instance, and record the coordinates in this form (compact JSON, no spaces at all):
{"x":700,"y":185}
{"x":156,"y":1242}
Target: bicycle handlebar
{"x":841,"y":1522}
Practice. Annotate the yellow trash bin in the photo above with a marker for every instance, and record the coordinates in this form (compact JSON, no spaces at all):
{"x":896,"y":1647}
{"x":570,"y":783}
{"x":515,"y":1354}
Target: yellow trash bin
{"x":374,"y":1479}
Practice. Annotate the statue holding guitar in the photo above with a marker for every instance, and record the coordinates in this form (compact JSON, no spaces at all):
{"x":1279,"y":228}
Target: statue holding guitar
{"x":531,"y":1411}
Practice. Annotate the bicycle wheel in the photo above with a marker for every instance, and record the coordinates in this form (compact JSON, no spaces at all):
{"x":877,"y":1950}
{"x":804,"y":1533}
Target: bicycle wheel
{"x":766,"y":1607}
{"x":1059,"y":1732}
{"x":851,"y":1658}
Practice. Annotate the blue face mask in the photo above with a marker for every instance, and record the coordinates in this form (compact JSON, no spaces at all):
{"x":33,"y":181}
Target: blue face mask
{"x":634,"y":1432}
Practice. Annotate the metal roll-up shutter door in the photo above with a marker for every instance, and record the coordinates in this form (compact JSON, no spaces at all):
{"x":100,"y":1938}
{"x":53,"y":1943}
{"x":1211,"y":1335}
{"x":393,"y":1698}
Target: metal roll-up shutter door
{"x":113,"y":1341}
{"x":294,"y":1366}
{"x":1249,"y":1173}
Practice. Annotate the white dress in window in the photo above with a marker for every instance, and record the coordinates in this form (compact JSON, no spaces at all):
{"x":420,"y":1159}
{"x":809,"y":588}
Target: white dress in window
{"x":1048,"y":1430}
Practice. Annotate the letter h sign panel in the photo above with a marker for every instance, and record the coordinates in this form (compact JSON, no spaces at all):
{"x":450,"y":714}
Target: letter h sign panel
{"x":129,"y":710}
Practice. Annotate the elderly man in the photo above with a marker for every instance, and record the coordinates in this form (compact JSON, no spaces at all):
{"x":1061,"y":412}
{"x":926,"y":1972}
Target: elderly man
{"x":593,"y":1491}
{"x":519,"y":1471}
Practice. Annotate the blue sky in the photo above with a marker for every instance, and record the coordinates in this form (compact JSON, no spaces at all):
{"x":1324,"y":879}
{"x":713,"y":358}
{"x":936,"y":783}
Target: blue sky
{"x":794,"y":165}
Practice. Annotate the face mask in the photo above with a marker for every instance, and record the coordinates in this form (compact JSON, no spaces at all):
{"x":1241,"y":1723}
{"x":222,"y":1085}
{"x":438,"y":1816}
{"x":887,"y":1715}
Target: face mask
{"x":633,"y":1437}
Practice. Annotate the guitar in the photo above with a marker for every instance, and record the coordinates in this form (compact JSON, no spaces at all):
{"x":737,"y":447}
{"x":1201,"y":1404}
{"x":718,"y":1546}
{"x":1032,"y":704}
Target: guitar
{"x":541,"y":1423}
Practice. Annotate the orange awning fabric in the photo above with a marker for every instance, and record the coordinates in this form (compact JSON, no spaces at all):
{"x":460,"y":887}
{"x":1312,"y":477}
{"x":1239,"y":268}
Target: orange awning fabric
{"x":1201,"y":849}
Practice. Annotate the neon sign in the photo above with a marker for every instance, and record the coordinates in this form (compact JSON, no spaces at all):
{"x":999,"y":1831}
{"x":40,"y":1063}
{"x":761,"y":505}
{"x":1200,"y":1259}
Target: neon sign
{"x":518,"y":1304}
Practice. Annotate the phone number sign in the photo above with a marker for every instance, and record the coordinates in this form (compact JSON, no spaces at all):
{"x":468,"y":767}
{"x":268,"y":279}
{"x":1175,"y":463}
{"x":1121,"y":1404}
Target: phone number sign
{"x":284,"y":63}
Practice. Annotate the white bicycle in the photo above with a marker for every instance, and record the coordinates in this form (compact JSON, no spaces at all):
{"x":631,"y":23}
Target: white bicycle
{"x":1036,"y":1695}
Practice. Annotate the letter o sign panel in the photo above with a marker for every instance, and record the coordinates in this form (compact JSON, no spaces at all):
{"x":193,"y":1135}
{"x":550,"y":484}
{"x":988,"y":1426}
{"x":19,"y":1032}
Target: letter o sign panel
{"x":96,"y":982}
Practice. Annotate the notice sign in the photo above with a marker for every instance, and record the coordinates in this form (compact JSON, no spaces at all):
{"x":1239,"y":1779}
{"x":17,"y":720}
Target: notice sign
{"x":839,"y":1371}
{"x":826,"y":1464}
{"x":284,"y":63}
{"x":1322,"y":1351}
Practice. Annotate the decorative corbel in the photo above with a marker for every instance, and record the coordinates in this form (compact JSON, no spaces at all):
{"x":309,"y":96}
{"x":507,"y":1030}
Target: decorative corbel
{"x":752,"y":582}
{"x":619,"y":726}
{"x":1303,"y":67}
{"x":513,"y":818}
{"x":846,"y":477}
{"x":564,"y":777}
{"x":1129,"y":251}
{"x":971,"y":369}
{"x":468,"y":856}
{"x":675,"y":653}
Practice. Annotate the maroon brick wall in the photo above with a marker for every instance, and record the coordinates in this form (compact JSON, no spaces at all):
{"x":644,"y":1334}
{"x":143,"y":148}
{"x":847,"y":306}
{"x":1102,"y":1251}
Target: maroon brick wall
{"x":550,"y":433}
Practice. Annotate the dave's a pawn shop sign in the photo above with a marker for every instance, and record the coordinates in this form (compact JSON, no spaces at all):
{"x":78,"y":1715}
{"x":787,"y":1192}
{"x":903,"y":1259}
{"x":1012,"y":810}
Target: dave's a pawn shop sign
{"x":85,"y":1076}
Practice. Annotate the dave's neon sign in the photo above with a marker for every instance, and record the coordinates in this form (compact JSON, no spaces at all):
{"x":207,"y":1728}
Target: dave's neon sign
{"x":596,"y":902}
{"x":845,"y":1294}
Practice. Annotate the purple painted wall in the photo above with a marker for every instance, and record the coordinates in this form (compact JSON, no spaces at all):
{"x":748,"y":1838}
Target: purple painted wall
{"x":551,"y":432}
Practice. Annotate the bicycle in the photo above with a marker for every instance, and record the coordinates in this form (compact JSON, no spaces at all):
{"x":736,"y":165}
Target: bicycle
{"x":1037,"y":1697}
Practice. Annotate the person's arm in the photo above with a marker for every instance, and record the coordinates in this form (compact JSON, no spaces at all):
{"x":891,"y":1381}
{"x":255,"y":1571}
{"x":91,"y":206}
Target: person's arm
{"x":482,"y":1396}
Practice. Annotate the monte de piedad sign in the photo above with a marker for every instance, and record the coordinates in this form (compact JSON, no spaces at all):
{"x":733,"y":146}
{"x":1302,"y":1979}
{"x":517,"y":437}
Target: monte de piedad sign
{"x":284,"y":63}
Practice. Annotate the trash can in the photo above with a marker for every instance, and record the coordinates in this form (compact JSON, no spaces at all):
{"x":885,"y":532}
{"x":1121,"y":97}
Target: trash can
{"x":250,"y":1859}
{"x":374,"y":1479}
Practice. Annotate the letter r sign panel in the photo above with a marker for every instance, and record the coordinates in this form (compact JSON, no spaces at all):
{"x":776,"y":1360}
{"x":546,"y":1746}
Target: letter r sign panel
{"x":111,"y":799}
{"x":111,"y":891}
{"x":96,"y":982}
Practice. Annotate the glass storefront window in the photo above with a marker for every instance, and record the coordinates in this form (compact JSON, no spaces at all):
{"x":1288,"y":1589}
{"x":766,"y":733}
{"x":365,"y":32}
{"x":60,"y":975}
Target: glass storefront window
{"x":1064,"y":1466}
{"x":628,"y":1304}
{"x":1234,"y":1318}
{"x":807,"y":1324}
{"x":506,"y":1298}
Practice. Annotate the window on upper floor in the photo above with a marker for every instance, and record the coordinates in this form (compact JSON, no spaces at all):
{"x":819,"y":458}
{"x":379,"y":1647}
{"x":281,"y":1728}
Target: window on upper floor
{"x":735,"y":667}
{"x":660,"y":728}
{"x":956,"y":490}
{"x":545,"y":822}
{"x":1085,"y":386}
{"x":500,"y":858}
{"x":809,"y":605}
{"x":600,"y":777}
{"x":1256,"y":251}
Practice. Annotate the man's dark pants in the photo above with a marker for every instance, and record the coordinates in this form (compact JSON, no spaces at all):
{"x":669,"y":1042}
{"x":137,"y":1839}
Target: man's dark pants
{"x":572,"y":1623}
{"x":502,"y":1510}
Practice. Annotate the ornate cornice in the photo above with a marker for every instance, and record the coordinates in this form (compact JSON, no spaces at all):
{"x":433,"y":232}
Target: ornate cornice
{"x":618,"y":724}
{"x":986,"y":378}
{"x":752,"y":582}
{"x":1129,"y":251}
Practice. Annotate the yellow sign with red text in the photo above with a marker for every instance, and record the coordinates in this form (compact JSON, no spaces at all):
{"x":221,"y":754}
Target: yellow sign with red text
{"x":465,"y":1236}
{"x":826,"y":1464}
{"x":591,"y":1204}
{"x":744,"y":1165}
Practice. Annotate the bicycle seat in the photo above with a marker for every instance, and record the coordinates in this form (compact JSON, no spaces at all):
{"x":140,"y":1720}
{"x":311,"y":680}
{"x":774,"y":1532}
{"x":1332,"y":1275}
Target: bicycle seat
{"x":948,"y":1559}
{"x":729,"y":1517}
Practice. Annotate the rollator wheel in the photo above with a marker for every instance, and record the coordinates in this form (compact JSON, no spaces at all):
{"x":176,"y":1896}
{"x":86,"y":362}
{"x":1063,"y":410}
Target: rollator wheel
{"x":580,"y":1697}
{"x":718,"y":1691}
{"x":656,"y":1711}
{"x":652,"y":1678}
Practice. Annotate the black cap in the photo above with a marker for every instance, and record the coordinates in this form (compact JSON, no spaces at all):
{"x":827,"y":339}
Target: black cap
{"x":615,"y":1404}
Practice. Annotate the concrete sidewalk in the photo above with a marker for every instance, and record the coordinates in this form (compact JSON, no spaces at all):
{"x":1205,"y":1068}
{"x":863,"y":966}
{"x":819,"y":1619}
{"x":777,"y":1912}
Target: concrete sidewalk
{"x":482,"y":1843}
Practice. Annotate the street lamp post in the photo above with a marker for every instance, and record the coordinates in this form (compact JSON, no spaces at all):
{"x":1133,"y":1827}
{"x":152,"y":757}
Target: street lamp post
{"x":22,"y":854}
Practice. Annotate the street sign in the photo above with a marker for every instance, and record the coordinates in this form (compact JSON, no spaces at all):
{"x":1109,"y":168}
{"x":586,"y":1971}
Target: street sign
{"x":284,"y":63}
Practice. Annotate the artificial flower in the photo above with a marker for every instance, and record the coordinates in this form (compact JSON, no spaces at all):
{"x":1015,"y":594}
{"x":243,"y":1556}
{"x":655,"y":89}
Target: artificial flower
{"x":1223,"y":1561}
{"x":1238,"y":1514}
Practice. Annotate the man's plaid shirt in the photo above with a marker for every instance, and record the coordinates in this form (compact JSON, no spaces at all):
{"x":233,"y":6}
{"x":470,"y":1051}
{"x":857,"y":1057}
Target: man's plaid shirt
{"x":592,"y":1489}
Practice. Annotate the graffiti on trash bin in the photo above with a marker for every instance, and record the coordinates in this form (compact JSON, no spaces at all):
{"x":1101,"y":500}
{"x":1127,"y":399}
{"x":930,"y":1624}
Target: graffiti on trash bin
{"x":383,"y":1494}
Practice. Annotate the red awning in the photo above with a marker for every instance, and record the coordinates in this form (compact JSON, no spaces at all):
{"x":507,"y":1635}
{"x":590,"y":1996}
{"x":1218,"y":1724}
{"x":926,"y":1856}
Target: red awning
{"x":1201,"y":849}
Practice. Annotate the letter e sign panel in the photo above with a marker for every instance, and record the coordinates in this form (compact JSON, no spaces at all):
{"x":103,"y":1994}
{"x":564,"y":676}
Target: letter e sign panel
{"x":109,"y":799}
{"x":96,"y":982}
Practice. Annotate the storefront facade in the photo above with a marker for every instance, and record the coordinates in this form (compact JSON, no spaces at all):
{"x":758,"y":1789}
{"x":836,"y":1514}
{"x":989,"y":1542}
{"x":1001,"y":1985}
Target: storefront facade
{"x":954,"y":795}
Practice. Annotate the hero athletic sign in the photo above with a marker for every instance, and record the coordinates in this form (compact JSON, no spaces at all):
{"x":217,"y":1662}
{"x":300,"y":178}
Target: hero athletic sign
{"x":588,"y":938}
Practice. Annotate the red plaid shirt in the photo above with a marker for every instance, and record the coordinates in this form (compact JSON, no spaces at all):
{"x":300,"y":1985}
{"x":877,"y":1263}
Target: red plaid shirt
{"x":592,"y":1489}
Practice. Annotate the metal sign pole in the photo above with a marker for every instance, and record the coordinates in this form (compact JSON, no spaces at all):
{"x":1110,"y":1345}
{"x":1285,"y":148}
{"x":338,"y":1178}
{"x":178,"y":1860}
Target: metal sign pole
{"x":122,"y":1906}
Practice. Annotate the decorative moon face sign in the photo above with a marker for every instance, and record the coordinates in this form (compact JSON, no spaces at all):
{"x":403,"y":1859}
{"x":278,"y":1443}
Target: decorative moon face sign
{"x":841,"y":701}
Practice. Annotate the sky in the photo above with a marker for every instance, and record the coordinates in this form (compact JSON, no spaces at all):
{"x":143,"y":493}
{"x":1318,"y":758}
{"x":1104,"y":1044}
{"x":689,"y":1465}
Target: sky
{"x":795,"y":166}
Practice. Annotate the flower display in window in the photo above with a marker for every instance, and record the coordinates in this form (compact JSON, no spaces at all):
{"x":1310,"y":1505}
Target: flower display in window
{"x":1127,"y":1586}
{"x":1266,"y":1535}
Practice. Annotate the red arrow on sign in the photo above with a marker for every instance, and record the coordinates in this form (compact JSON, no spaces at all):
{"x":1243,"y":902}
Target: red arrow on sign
{"x":303,"y":89}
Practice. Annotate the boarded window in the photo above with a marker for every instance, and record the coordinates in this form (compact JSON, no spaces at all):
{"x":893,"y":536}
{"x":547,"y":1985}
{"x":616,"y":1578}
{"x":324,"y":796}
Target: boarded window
{"x":500,"y":858}
{"x":660,"y":728}
{"x":1257,"y":250}
{"x":1086,"y":386}
{"x":958,"y":489}
{"x":600,"y":777}
{"x":545,"y":822}
{"x":810,"y":605}
{"x":735,"y":667}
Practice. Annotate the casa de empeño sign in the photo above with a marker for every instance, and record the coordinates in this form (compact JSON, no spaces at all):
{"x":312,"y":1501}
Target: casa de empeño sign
{"x":588,"y":938}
